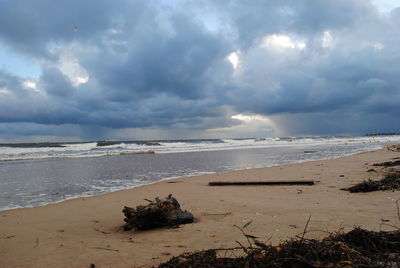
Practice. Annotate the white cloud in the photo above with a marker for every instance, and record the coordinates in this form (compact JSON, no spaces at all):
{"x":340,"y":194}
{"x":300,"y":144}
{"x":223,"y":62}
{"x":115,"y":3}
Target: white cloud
{"x":234,"y":59}
{"x":70,"y":67}
{"x":31,"y":85}
{"x":327,"y":39}
{"x":251,"y":125}
{"x":378,"y":46}
{"x":4,"y":91}
{"x":385,"y":6}
{"x":280,"y":41}
{"x":375,"y":45}
{"x":114,"y":31}
{"x":251,"y":117}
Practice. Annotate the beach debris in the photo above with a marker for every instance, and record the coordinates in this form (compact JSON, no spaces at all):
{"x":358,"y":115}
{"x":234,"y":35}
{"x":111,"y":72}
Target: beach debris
{"x":107,"y":248}
{"x":8,"y":237}
{"x":388,"y":164}
{"x":158,"y":213}
{"x":394,"y":148}
{"x":357,"y":248}
{"x":36,"y":242}
{"x":226,"y":183}
{"x":100,"y":231}
{"x":371,"y":170}
{"x":390,"y":182}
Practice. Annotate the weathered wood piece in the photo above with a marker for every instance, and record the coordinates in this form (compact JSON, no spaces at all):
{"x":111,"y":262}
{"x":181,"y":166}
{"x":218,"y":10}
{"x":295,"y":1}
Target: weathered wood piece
{"x":240,"y":183}
{"x":158,"y":213}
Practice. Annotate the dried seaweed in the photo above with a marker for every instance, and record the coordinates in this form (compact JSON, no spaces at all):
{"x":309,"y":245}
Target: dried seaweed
{"x":390,"y":182}
{"x":357,"y":248}
{"x":388,"y":164}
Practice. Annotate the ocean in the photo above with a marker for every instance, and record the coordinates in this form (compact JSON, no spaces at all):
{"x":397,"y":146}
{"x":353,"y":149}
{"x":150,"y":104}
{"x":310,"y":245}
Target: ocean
{"x":34,"y":174}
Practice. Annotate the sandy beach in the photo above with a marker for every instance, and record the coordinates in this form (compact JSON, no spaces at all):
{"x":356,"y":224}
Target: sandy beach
{"x":84,"y":231}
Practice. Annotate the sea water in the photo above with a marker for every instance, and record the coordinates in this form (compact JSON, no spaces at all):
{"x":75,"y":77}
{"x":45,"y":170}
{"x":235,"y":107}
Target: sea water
{"x":41,"y":173}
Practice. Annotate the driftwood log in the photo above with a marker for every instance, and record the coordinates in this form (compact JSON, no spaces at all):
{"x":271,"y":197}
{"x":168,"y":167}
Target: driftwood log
{"x":158,"y":213}
{"x":226,"y":183}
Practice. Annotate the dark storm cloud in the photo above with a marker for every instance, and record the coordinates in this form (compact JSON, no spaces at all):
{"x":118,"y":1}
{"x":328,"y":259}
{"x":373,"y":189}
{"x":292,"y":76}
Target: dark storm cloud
{"x":181,"y":63}
{"x":32,"y":26}
{"x":138,"y":64}
{"x":255,"y":19}
{"x":55,"y":83}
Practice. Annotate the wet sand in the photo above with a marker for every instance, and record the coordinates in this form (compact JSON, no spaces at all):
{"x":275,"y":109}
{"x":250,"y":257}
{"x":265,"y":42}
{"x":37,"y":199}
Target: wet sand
{"x":82,"y":231}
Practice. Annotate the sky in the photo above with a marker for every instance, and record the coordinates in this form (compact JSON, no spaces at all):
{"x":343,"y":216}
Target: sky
{"x":158,"y":69}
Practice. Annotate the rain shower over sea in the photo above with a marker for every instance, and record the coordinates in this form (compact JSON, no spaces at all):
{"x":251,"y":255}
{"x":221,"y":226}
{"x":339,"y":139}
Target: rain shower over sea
{"x":34,"y":174}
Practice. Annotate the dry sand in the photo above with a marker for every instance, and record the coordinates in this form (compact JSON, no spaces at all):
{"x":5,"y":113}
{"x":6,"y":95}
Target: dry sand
{"x":82,"y":231}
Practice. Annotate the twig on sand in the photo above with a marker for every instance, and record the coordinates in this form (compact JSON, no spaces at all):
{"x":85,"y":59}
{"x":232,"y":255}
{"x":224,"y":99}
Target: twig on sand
{"x":8,"y":237}
{"x":305,"y":229}
{"x":398,"y":216}
{"x":36,"y":242}
{"x":100,"y":231}
{"x":241,"y":246}
{"x":110,"y":249}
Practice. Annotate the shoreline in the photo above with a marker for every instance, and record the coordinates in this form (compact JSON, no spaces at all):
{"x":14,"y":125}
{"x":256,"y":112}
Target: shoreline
{"x":81,"y":231}
{"x":193,"y":174}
